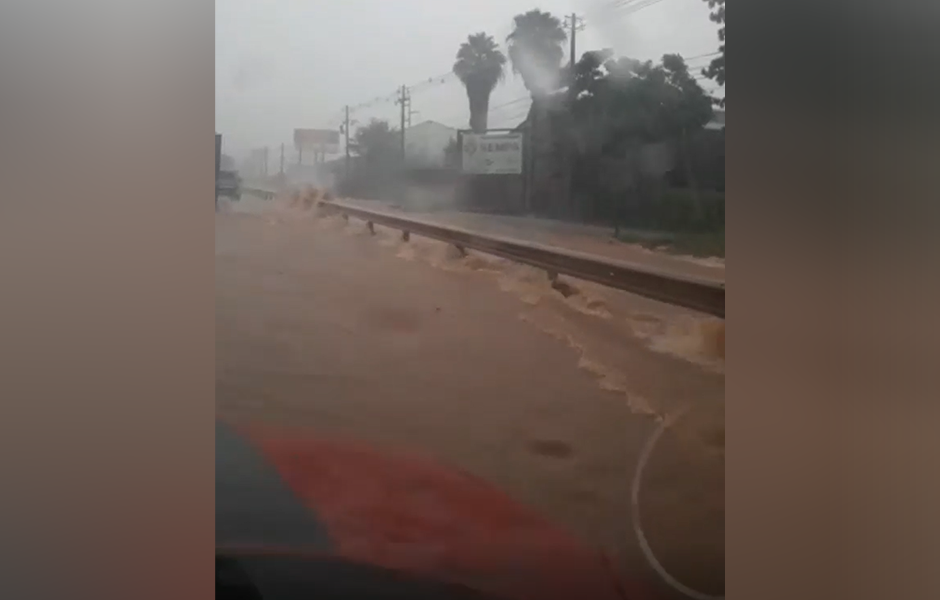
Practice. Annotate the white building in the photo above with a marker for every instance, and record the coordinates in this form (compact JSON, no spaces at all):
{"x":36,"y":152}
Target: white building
{"x":425,"y":143}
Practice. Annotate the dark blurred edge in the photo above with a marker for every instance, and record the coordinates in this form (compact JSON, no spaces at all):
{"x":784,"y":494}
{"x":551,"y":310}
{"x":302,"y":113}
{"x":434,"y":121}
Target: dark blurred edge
{"x":830,"y":226}
{"x":106,"y":250}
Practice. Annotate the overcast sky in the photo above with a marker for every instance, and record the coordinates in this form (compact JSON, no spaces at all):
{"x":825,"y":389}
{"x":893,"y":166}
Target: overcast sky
{"x":283,"y":64}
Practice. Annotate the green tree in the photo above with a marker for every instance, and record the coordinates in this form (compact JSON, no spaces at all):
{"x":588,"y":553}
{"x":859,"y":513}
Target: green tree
{"x":378,"y":142}
{"x":716,"y":69}
{"x":621,"y":100}
{"x":374,"y":173}
{"x":479,"y":66}
{"x":625,"y":113}
{"x":686,"y":106}
{"x":535,"y":50}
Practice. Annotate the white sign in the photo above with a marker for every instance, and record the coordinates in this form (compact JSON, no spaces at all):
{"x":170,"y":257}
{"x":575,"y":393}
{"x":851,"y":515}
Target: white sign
{"x":492,"y":153}
{"x":325,"y":141}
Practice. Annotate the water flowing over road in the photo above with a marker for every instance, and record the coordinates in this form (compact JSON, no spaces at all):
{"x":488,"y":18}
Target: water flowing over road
{"x":481,"y":365}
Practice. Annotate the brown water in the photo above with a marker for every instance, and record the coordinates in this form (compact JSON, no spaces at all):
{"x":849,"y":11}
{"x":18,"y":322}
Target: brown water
{"x":483,"y":365}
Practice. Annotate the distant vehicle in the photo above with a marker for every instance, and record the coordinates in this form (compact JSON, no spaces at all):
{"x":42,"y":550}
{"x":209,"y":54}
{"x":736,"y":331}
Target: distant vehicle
{"x":228,"y":185}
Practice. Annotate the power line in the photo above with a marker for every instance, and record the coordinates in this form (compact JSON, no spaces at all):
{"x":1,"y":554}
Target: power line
{"x":511,"y":102}
{"x":387,"y":99}
{"x":431,"y":81}
{"x":392,"y":97}
{"x":630,"y":7}
{"x":507,"y":123}
{"x":716,"y":53}
{"x":619,"y":4}
{"x":518,"y":113}
{"x":623,"y":3}
{"x":510,"y":120}
{"x":498,"y":107}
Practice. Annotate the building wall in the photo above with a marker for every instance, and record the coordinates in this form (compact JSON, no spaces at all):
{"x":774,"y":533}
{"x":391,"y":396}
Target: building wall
{"x":425,"y":144}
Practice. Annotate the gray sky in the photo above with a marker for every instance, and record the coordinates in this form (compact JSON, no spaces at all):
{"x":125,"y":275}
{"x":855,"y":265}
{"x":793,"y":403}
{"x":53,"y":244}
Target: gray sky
{"x":282,"y":64}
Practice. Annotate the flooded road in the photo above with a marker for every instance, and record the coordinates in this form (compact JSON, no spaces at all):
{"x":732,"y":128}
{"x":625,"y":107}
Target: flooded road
{"x":480,"y":365}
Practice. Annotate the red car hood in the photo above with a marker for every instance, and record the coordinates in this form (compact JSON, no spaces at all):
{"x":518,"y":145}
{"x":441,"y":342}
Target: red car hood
{"x":278,"y":491}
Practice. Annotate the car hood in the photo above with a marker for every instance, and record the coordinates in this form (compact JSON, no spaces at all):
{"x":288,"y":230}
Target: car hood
{"x":282,"y":491}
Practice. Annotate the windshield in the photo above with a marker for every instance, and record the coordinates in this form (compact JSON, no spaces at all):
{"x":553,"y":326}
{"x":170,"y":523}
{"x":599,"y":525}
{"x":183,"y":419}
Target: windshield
{"x":470,"y":304}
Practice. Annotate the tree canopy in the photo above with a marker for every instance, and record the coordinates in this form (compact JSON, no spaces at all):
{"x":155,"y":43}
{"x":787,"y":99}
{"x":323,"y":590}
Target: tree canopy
{"x":619,"y":101}
{"x":716,"y":69}
{"x":377,"y":141}
{"x":631,"y":121}
{"x":536,"y":49}
{"x":479,"y":66}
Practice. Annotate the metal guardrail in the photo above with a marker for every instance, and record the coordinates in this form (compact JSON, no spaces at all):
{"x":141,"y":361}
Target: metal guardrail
{"x":258,"y":192}
{"x":697,"y":294}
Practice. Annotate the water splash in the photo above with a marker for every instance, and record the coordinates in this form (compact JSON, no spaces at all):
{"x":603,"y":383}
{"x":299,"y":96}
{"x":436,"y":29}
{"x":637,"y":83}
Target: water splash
{"x":608,"y":378}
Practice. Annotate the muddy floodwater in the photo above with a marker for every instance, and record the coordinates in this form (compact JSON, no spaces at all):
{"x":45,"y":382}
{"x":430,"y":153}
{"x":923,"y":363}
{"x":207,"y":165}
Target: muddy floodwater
{"x":480,"y":364}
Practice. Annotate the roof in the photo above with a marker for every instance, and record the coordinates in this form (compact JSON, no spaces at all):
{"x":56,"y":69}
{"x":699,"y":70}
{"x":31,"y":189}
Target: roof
{"x":430,"y":123}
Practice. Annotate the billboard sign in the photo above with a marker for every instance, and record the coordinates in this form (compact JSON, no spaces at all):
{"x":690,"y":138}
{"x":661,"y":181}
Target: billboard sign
{"x":323,"y":141}
{"x":492,"y":153}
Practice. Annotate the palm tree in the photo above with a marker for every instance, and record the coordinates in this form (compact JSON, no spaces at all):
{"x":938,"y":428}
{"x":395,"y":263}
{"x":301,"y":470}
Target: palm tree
{"x":536,"y":49}
{"x":480,"y":67}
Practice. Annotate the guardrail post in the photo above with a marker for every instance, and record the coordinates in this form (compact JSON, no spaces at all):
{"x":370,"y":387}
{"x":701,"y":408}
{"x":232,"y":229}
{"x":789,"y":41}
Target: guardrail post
{"x":371,"y":227}
{"x":405,"y":235}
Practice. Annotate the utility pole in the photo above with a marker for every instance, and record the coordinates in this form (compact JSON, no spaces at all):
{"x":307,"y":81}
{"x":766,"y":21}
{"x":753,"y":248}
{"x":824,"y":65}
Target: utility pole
{"x":403,"y":100}
{"x":574,"y":29}
{"x":574,"y":26}
{"x":572,"y":95}
{"x":346,"y":132}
